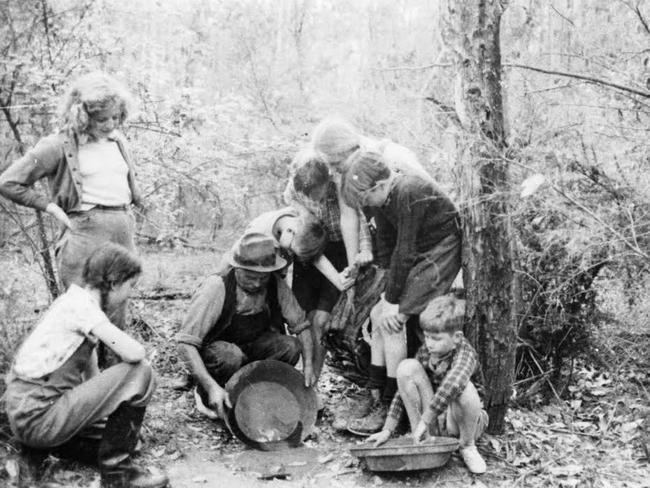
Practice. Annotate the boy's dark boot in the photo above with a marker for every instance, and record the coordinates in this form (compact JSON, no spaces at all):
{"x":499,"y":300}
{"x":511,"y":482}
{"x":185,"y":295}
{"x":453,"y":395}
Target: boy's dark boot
{"x":117,"y":445}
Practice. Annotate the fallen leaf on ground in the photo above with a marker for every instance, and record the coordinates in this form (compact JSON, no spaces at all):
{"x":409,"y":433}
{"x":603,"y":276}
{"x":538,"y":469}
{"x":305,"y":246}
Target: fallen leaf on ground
{"x":12,"y":468}
{"x":326,"y":458}
{"x":629,"y":426}
{"x":350,"y":462}
{"x":568,"y":470}
{"x":175,"y":455}
{"x":297,"y":463}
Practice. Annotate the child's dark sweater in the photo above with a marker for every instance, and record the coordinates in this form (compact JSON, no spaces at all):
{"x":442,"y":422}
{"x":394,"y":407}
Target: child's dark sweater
{"x":416,"y":216}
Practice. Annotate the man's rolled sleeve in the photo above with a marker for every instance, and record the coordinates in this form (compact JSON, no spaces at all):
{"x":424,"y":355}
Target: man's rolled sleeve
{"x":16,"y":183}
{"x":203,"y":312}
{"x":291,"y":311}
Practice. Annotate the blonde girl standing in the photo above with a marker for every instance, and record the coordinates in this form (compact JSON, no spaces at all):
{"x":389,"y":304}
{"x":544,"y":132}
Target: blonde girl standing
{"x":90,"y":174}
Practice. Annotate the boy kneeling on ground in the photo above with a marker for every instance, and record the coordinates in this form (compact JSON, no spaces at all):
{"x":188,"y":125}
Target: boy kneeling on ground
{"x":435,"y":388}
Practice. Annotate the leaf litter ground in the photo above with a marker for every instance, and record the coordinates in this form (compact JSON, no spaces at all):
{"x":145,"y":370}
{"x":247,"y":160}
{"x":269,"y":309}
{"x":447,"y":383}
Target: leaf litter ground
{"x":599,"y":436}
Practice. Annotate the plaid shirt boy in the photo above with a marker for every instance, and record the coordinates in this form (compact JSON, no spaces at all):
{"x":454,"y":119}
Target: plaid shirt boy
{"x":449,"y":376}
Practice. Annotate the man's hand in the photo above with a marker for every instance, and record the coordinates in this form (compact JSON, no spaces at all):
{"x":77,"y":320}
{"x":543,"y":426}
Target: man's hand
{"x":421,"y":432}
{"x":310,"y":377}
{"x":57,"y":212}
{"x":379,"y":438}
{"x":217,"y":398}
{"x":391,"y":320}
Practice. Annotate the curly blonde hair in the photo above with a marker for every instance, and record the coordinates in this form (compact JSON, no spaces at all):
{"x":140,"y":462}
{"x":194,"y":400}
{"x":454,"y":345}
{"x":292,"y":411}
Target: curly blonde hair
{"x":89,"y":94}
{"x":445,"y":313}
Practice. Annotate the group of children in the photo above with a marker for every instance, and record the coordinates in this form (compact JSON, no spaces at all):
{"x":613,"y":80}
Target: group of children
{"x":352,"y":201}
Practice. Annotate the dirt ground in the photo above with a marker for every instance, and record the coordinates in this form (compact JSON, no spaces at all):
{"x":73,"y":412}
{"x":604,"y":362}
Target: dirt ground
{"x":598,"y":436}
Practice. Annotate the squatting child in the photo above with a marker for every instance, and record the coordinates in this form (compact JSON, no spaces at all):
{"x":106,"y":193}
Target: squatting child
{"x":58,"y":401}
{"x":435,"y":387}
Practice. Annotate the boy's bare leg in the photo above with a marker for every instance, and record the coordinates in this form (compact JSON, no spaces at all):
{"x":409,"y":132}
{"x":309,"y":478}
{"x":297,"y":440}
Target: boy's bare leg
{"x":394,"y":351}
{"x":463,"y":420}
{"x":414,"y":388}
{"x":463,"y":416}
{"x":377,"y":356}
{"x":377,"y":353}
{"x":318,"y":319}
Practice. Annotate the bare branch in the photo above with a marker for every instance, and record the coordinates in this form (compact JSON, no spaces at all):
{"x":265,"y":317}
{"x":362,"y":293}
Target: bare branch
{"x":643,"y":20}
{"x":413,"y":68}
{"x":562,"y":15}
{"x":637,"y":11}
{"x":577,"y":76}
{"x":446,"y":109}
{"x":46,"y":27}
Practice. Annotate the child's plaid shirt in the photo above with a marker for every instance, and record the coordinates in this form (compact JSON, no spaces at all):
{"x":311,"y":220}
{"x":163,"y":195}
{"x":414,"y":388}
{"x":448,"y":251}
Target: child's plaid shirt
{"x":329,"y":213}
{"x":449,"y":376}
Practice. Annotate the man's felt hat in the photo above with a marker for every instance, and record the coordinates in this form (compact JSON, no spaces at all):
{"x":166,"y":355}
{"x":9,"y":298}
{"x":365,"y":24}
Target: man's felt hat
{"x":256,"y":252}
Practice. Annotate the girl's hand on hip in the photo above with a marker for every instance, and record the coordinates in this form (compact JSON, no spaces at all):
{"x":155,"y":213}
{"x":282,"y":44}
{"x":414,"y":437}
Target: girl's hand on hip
{"x":57,"y":212}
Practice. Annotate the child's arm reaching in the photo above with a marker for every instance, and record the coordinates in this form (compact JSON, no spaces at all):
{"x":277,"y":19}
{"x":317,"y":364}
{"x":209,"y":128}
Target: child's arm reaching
{"x":125,"y":346}
{"x":395,"y":412}
{"x":342,"y":281}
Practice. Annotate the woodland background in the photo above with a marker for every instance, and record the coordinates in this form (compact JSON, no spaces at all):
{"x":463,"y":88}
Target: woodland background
{"x":228,"y":91}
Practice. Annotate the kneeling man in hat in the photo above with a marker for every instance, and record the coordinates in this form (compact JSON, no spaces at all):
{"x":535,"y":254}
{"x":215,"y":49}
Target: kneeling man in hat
{"x":238,"y":316}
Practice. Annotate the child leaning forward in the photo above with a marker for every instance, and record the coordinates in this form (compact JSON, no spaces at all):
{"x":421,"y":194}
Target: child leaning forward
{"x":59,"y":402}
{"x":435,"y":387}
{"x":418,"y":241}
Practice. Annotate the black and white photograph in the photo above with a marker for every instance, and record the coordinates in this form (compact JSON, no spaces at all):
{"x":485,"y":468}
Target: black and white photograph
{"x":324,"y":243}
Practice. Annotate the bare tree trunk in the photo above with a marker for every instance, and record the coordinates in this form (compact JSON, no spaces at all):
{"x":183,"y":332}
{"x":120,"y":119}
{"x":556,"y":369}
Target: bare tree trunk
{"x":472,"y":34}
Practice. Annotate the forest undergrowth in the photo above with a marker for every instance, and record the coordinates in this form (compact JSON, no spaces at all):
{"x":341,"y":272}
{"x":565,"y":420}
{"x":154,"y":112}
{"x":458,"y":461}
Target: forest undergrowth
{"x":590,"y":430}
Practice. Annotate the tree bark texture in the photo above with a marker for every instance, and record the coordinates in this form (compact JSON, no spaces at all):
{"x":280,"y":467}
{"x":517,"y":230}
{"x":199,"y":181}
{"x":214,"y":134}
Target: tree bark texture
{"x":471,"y":30}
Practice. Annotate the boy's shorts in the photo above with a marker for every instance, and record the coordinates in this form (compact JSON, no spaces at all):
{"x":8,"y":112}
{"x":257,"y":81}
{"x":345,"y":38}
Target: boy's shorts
{"x":443,"y":427}
{"x":310,"y":287}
